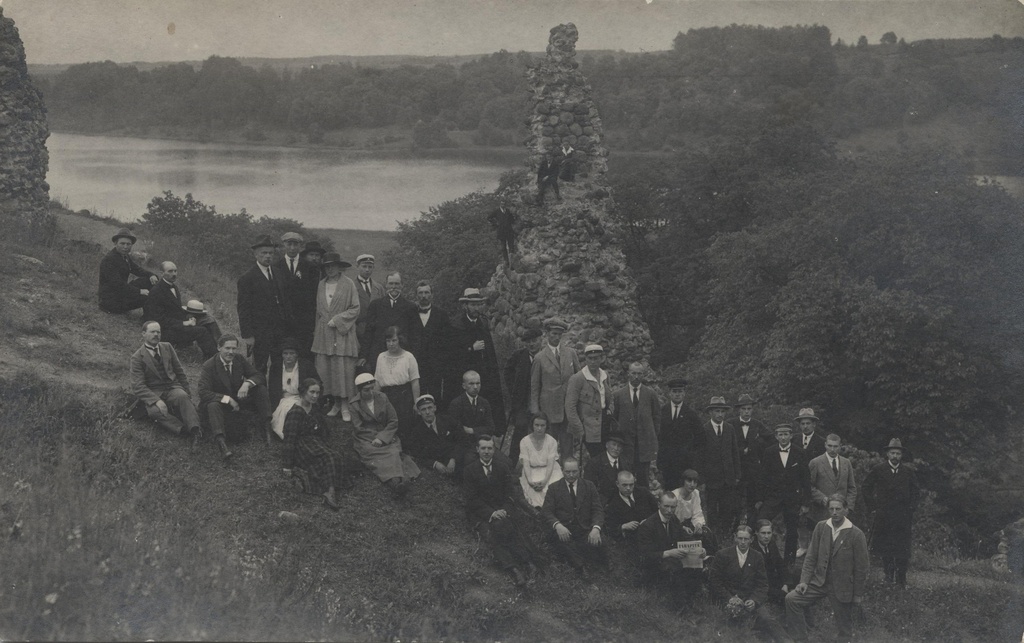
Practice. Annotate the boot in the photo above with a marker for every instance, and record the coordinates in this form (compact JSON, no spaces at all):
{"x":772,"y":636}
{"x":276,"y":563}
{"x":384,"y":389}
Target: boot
{"x":197,"y":435}
{"x":224,"y":450}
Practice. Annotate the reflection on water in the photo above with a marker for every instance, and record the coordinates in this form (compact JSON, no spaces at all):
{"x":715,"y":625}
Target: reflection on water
{"x":321,"y":188}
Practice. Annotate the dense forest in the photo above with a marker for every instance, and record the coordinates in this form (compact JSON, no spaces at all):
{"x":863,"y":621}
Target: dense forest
{"x":713,"y":82}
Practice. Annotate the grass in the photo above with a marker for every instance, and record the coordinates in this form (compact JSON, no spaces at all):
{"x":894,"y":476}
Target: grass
{"x":112,"y":530}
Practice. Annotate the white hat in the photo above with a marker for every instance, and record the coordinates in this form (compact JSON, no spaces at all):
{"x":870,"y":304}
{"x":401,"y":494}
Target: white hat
{"x":425,"y":398}
{"x":593,"y":348}
{"x":364,"y":378}
{"x":362,"y":258}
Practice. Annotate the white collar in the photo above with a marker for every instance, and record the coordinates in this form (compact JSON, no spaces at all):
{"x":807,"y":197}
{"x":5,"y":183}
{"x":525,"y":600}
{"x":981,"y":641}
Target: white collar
{"x":590,"y":376}
{"x":835,"y":531}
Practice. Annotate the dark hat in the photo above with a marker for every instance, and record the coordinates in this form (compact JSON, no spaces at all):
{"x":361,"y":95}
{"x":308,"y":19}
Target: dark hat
{"x":691,"y":474}
{"x":264,"y":242}
{"x":717,"y":402}
{"x":783,"y":427}
{"x":677,"y":382}
{"x":471,"y":295}
{"x":555,"y":322}
{"x":894,"y":444}
{"x":289,"y":344}
{"x":312,"y":246}
{"x":532,"y":333}
{"x":746,"y":400}
{"x":123,"y":232}
{"x":615,"y":437}
{"x":332,"y":258}
{"x":806,"y":414}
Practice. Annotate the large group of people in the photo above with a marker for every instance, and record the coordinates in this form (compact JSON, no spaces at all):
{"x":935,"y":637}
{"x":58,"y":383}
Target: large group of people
{"x":693,"y":498}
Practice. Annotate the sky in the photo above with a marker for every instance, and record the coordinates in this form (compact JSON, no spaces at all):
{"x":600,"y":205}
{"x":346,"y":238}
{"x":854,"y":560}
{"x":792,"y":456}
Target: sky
{"x":73,"y":31}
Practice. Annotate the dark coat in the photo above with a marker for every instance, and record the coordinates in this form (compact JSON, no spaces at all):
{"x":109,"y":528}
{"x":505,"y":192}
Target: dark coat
{"x":893,"y":499}
{"x":679,"y":443}
{"x":430,"y":345}
{"x":558,"y":506}
{"x":464,"y":333}
{"x":789,"y":486}
{"x":639,"y":424}
{"x":815,"y":448}
{"x":215,"y":383}
{"x":728,"y":579}
{"x":479,"y":417}
{"x":652,"y":541}
{"x":485,"y":495}
{"x":718,"y":462}
{"x":376,"y":292}
{"x":275,"y":387}
{"x":518,"y":369}
{"x":163,"y":305}
{"x":502,"y":219}
{"x":382,"y":315}
{"x":428,"y":447}
{"x":600,"y":472}
{"x":752,"y":446}
{"x":115,"y":293}
{"x":302,"y":293}
{"x":618,"y":513}
{"x":773,"y":565}
{"x":264,"y":307}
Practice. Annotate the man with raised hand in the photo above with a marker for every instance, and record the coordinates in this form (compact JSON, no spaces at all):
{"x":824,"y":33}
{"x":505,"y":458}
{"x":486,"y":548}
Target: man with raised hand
{"x":118,"y":291}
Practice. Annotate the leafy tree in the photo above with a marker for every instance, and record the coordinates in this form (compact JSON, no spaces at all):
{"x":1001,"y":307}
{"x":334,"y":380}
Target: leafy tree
{"x":862,"y":42}
{"x":889,"y":38}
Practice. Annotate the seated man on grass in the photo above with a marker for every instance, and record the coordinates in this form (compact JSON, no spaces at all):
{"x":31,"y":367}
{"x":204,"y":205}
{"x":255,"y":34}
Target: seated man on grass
{"x":740,"y":582}
{"x":124,"y":285}
{"x":161,"y":386}
{"x":574,"y":513}
{"x":228,"y":383}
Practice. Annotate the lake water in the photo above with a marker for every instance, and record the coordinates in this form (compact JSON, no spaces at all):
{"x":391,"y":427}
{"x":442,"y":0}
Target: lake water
{"x":322,"y":188}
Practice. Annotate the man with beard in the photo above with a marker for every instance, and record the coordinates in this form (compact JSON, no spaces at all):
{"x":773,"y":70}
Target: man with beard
{"x":891,"y":491}
{"x":429,"y":335}
{"x":163,"y":305}
{"x":472,"y":349}
{"x":264,"y":309}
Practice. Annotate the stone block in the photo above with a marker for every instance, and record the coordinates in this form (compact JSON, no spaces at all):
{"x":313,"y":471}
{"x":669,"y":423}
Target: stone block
{"x":566,"y":118}
{"x":575,"y":129}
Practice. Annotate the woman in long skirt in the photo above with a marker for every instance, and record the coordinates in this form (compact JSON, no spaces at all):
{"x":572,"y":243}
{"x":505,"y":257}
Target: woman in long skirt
{"x":306,"y":449}
{"x":398,"y":375}
{"x":334,"y":337}
{"x":375,"y":437}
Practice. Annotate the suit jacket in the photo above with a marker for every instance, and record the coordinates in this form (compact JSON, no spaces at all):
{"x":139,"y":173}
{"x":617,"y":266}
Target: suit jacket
{"x":376,"y":292}
{"x":478,"y":418}
{"x":301,"y":288}
{"x":275,"y":385}
{"x":728,"y":579}
{"x":382,"y":315}
{"x":652,"y":540}
{"x":465,"y":333}
{"x":679,"y":443}
{"x":845,"y":559}
{"x":893,"y":498}
{"x":600,"y":472}
{"x":163,"y":305}
{"x":583,"y":408}
{"x":815,"y":448}
{"x":264,"y":307}
{"x":428,"y":447}
{"x":752,"y":446}
{"x":115,"y":270}
{"x":517,"y":378}
{"x":618,"y":513}
{"x":548,"y":381}
{"x":790,"y":485}
{"x":641,"y":423}
{"x":484,"y":495}
{"x":558,"y":506}
{"x":824,"y":483}
{"x":149,"y":379}
{"x":773,"y":564}
{"x":718,"y":462}
{"x":215,"y":382}
{"x":431,"y":343}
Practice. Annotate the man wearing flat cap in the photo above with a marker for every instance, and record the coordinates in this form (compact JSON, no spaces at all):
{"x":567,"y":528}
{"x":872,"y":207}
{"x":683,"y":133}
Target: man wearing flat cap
{"x":754,"y":437}
{"x":892,"y":492}
{"x":518,"y":370}
{"x":473,"y":350}
{"x":681,"y":438}
{"x":368,"y":291}
{"x":718,"y":464}
{"x":119,"y":292}
{"x":264,"y":308}
{"x":588,"y":397}
{"x":180,"y":326}
{"x":552,"y":368}
{"x":785,"y":486}
{"x":301,"y":279}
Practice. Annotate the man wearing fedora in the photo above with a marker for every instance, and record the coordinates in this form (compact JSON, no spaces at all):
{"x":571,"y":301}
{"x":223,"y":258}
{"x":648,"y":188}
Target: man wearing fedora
{"x":810,"y":440}
{"x":178,"y":325}
{"x":119,"y":292}
{"x":264,"y":308}
{"x":754,"y":437}
{"x":301,"y":279}
{"x":681,"y":435}
{"x":473,"y":350}
{"x":588,"y":399}
{"x":784,"y":487}
{"x":891,"y":491}
{"x":637,"y":412}
{"x":552,"y":367}
{"x":718,"y":464}
{"x":159,"y":383}
{"x":368,"y":291}
{"x":518,"y":370}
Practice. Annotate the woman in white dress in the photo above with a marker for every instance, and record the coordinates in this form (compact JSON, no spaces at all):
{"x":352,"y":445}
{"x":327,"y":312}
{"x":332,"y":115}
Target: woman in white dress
{"x":538,"y":456}
{"x":690,"y":512}
{"x":334,"y":337}
{"x":398,"y":375}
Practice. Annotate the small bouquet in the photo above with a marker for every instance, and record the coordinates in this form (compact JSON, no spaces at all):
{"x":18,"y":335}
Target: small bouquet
{"x":735,"y":607}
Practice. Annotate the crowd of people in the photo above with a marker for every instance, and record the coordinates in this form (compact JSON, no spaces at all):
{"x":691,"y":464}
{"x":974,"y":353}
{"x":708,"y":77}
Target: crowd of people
{"x":693,"y":498}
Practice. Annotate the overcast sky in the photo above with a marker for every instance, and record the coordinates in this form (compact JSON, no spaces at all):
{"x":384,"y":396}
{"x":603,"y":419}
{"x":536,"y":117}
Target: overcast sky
{"x":69,"y":31}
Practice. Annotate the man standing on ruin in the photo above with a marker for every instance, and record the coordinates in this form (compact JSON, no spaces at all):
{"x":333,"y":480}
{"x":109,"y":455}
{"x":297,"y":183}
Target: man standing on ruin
{"x":119,"y":292}
{"x":503,"y":219}
{"x":552,"y":367}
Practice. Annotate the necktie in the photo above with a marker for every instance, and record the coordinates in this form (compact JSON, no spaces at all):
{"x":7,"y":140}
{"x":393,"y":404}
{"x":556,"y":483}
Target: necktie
{"x":229,"y":369}
{"x":572,"y":492}
{"x":291,"y":260}
{"x":392,"y":303}
{"x":636,"y":398}
{"x":835,"y":466}
{"x":629,"y":501}
{"x":487,"y":470}
{"x":270,"y":274}
{"x":156,"y":353}
{"x":668,"y":532}
{"x":675,"y":412}
{"x":718,"y":431}
{"x":615,"y":464}
{"x":472,"y":401}
{"x":366,"y":286}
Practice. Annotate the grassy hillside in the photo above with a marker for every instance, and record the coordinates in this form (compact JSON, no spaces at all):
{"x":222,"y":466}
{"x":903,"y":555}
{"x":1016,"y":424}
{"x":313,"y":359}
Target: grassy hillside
{"x":114,"y":531}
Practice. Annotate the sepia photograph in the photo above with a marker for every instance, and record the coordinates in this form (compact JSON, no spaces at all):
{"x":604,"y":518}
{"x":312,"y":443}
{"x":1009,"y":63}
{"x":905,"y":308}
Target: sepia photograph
{"x":512,"y":320}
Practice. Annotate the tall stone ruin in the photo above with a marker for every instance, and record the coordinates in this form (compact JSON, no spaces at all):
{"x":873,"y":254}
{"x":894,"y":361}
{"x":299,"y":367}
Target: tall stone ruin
{"x":568,"y":262}
{"x":23,"y":132}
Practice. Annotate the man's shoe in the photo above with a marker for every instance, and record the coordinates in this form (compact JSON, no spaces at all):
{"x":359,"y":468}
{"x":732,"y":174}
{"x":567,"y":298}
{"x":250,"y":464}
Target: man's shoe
{"x":331,"y":503}
{"x":224,"y":450}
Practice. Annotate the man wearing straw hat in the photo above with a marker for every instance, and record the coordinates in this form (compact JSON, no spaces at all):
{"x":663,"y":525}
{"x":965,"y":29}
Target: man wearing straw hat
{"x":891,"y":491}
{"x":473,"y":350}
{"x":718,"y":463}
{"x":264,"y":309}
{"x":119,"y":292}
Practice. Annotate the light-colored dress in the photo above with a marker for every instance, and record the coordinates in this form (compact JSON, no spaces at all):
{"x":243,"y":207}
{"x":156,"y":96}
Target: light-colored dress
{"x":394,"y":375}
{"x":386,"y":461}
{"x":689,"y":509}
{"x":539,"y":466}
{"x":289,"y":398}
{"x":337,"y":349}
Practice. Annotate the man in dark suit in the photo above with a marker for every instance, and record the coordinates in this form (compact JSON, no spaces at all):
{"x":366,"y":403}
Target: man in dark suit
{"x":778,"y":574}
{"x":682,"y":436}
{"x":753,"y":437}
{"x":604,"y":470}
{"x":471,"y":412}
{"x":891,"y":491}
{"x":428,"y":342}
{"x":163,"y":305}
{"x":630,"y":506}
{"x":503,"y":219}
{"x":637,"y":411}
{"x":118,"y":292}
{"x":472,"y":349}
{"x":547,"y":177}
{"x":661,"y":559}
{"x":718,"y":464}
{"x":264,"y":309}
{"x":369,"y":290}
{"x":227,"y":382}
{"x":388,"y":311}
{"x":574,"y":513}
{"x":491,"y":491}
{"x":301,"y":280}
{"x":553,"y":365}
{"x":810,"y":439}
{"x":160,"y":384}
{"x":431,"y":439}
{"x":785,"y":486}
{"x":740,"y":581}
{"x":518,"y":371}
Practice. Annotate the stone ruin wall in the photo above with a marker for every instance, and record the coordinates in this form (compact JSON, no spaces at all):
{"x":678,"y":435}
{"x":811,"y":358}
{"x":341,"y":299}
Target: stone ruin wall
{"x":568,"y":262}
{"x":23,"y":132}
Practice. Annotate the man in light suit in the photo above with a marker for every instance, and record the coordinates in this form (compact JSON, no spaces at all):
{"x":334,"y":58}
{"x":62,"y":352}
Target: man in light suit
{"x":831,"y":473}
{"x":574,"y":513}
{"x":163,"y":305}
{"x":552,"y":368}
{"x":227,"y":382}
{"x":264,"y":308}
{"x":369,"y":290}
{"x":159,"y":383}
{"x":785,"y":486}
{"x":587,"y":400}
{"x":836,"y":566}
{"x":637,"y":411}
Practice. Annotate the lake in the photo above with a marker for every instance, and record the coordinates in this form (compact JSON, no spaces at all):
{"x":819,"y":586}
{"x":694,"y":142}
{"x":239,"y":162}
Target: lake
{"x":322,"y":188}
